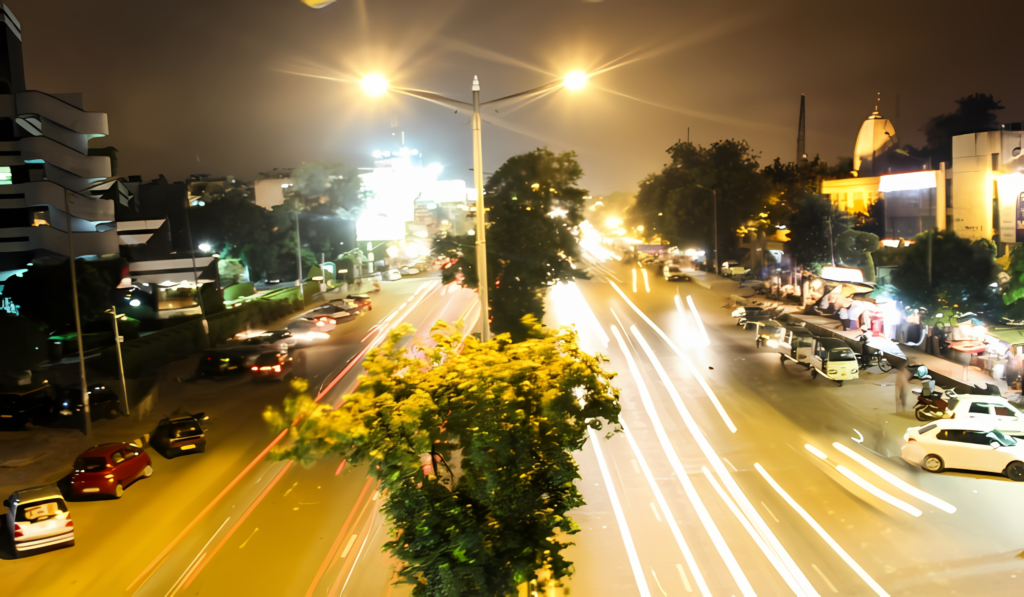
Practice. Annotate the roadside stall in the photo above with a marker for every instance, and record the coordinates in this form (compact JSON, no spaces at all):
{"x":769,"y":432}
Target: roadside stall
{"x":834,"y":359}
{"x":797,"y":345}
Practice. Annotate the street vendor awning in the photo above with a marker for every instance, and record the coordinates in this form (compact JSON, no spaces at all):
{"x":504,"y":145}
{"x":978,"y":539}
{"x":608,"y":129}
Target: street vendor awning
{"x":1011,"y":335}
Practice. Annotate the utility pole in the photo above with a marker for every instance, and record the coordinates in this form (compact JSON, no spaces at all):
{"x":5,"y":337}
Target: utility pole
{"x":481,"y":221}
{"x":831,"y":250}
{"x":78,"y":320}
{"x":714,"y":194}
{"x":298,"y":260}
{"x":120,"y":363}
{"x":931,"y":233}
{"x":195,"y":273}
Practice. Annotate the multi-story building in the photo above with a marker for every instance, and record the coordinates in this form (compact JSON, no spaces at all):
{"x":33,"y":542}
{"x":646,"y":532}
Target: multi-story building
{"x":49,"y":184}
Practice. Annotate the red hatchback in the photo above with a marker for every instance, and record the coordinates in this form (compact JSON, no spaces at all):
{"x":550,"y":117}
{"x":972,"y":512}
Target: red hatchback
{"x":107,"y":469}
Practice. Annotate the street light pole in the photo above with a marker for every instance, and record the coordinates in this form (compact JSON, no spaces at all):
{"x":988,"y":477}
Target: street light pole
{"x":120,"y":363}
{"x":714,"y":194}
{"x":298,"y":259}
{"x":481,"y":220}
{"x":78,"y":320}
{"x":195,"y":274}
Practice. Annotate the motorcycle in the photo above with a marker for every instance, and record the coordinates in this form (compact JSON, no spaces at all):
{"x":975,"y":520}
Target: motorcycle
{"x":931,"y":405}
{"x":873,"y":358}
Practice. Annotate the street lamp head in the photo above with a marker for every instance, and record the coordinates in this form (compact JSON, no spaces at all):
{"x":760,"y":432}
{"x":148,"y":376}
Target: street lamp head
{"x":205,"y":248}
{"x":374,"y":85}
{"x":575,"y":80}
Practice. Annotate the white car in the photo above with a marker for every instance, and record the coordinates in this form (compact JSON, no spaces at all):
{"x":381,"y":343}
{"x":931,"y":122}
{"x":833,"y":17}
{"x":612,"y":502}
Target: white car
{"x":392,"y":274}
{"x":1005,"y":416}
{"x":409,"y":271}
{"x":973,"y":445}
{"x":39,"y":518}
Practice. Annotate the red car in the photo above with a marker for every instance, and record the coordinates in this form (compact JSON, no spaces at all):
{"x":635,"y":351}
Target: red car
{"x":108,"y":468}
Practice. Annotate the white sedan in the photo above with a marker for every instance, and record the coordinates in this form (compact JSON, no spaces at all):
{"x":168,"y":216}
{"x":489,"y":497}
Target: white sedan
{"x":973,"y":445}
{"x":38,"y":518}
{"x":1004,"y":416}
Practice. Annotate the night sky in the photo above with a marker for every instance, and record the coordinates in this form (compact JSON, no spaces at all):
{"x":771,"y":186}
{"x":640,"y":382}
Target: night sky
{"x":202,"y":86}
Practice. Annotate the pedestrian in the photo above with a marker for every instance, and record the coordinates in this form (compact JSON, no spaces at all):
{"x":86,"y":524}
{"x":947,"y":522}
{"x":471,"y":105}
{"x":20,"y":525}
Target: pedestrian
{"x":844,"y":317}
{"x":902,"y":387}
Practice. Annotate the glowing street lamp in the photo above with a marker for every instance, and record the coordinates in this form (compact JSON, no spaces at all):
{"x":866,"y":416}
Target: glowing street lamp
{"x":376,"y":85}
{"x":575,"y":80}
{"x":205,"y":248}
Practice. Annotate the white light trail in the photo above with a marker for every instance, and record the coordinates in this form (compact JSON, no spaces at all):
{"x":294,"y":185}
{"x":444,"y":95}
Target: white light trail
{"x":647,"y":282}
{"x":684,"y":479}
{"x":896,"y":481}
{"x":634,"y":280}
{"x":821,"y":532}
{"x":771,"y":547}
{"x":686,"y":361}
{"x":700,"y":322}
{"x":663,"y":504}
{"x":878,"y":493}
{"x":863,"y":484}
{"x":634,"y":560}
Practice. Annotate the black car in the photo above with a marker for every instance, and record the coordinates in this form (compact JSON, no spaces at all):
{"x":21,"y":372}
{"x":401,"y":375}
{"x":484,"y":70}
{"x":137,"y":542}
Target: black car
{"x":103,"y":403}
{"x":24,"y":404}
{"x":363,"y":300}
{"x":272,"y":365}
{"x":218,"y":363}
{"x":175,"y":436}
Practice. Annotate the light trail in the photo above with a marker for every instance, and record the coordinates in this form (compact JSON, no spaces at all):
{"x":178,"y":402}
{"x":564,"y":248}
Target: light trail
{"x":196,"y":560}
{"x":863,"y":484}
{"x":572,"y":306}
{"x":822,"y":533}
{"x":700,"y":322}
{"x":677,"y":466}
{"x":663,"y":504}
{"x":647,"y":283}
{"x":775,"y":552}
{"x":620,"y":517}
{"x":634,"y":280}
{"x":682,"y":356}
{"x":896,"y":481}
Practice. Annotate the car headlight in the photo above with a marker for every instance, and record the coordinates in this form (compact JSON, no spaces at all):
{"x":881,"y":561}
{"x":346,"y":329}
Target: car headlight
{"x":773,"y":344}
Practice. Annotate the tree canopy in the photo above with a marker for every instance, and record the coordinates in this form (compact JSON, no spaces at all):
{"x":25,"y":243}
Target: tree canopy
{"x":510,"y":415}
{"x":809,"y":242}
{"x":534,"y":208}
{"x":962,"y":272}
{"x":974,"y":113}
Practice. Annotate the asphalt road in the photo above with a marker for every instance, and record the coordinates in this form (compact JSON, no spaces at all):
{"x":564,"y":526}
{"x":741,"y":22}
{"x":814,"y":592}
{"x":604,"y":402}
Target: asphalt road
{"x":696,"y":498}
{"x":229,"y":521}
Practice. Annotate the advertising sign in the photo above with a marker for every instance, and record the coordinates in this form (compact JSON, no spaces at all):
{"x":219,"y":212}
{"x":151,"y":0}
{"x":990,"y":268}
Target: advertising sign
{"x":1011,"y":207}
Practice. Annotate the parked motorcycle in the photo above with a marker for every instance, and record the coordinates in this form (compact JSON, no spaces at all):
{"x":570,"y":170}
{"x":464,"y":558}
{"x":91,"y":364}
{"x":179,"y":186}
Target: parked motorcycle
{"x":873,"y":358}
{"x":931,"y":405}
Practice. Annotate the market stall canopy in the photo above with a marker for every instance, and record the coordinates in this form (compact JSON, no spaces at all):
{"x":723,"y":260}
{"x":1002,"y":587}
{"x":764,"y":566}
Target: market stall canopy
{"x":1011,"y":335}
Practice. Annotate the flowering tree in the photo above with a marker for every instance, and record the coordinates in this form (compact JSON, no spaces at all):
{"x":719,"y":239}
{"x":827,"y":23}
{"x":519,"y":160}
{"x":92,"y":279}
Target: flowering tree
{"x":472,"y":443}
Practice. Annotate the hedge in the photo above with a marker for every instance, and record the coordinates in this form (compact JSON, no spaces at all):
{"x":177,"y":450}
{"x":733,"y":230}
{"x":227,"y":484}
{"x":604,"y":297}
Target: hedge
{"x":232,"y":293}
{"x":144,"y":355}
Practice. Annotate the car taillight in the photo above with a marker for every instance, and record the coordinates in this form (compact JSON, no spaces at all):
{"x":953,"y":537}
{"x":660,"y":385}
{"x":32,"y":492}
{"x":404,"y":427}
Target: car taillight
{"x":277,"y":368}
{"x":70,"y":523}
{"x":255,"y":368}
{"x":954,"y":416}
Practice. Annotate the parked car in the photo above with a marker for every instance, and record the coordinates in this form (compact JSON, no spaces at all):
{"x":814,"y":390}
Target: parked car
{"x":22,"y":404}
{"x":363,"y":300}
{"x":675,"y":272}
{"x":279,"y":339}
{"x":409,"y":271}
{"x":222,"y":362}
{"x":108,"y":468}
{"x":175,"y":436}
{"x":324,"y":323}
{"x":103,"y":403}
{"x":349,"y":306}
{"x":1006,"y":417}
{"x":971,"y":444}
{"x":38,"y":518}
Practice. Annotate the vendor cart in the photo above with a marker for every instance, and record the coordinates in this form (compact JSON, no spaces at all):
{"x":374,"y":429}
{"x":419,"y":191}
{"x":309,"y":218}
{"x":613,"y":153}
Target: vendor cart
{"x":768,"y":331}
{"x":797,"y":345}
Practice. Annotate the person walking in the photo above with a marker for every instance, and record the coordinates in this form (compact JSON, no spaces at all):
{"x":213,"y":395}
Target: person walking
{"x":902,"y":387}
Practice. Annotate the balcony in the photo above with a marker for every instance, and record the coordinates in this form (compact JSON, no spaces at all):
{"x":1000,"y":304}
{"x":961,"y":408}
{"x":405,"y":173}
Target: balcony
{"x":93,"y":124}
{"x":41,"y":149}
{"x":49,"y":240}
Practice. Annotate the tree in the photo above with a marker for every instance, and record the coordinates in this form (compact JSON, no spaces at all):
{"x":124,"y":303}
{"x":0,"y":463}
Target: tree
{"x":44,"y":292}
{"x":874,"y":220}
{"x":1014,"y":286}
{"x":809,"y":241}
{"x":24,"y":346}
{"x":854,"y":249}
{"x":327,"y":189}
{"x":512,"y":413}
{"x":534,"y":209}
{"x":974,"y":113}
{"x":961,"y":273}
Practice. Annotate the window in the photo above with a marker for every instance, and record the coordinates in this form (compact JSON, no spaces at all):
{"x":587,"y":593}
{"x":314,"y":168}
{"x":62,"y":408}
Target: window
{"x":40,"y":511}
{"x":91,"y":464}
{"x":926,"y":429}
{"x":980,"y":408}
{"x":5,"y":175}
{"x":1002,"y":411}
{"x":185,"y":430}
{"x":128,"y":453}
{"x":116,"y":457}
{"x":40,"y":217}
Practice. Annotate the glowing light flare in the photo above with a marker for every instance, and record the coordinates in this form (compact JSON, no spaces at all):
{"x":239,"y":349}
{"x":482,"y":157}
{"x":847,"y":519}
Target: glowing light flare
{"x":894,"y":480}
{"x":374,"y":85}
{"x":877,"y":588}
{"x":575,"y":80}
{"x":634,"y":280}
{"x":647,"y":282}
{"x":910,"y":181}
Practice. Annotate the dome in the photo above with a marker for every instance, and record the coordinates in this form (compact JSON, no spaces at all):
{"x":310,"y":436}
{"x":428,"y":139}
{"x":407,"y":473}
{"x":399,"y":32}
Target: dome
{"x":876,"y":136}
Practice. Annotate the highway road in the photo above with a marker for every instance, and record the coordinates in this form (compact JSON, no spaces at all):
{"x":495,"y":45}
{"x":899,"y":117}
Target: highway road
{"x":735,"y":475}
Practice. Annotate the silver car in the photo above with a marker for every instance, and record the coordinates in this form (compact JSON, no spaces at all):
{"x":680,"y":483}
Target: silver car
{"x":38,"y":518}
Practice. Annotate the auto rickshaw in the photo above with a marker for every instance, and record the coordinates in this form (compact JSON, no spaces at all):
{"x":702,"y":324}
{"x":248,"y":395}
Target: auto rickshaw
{"x":767,"y":330}
{"x":797,"y":345}
{"x":834,"y":359}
